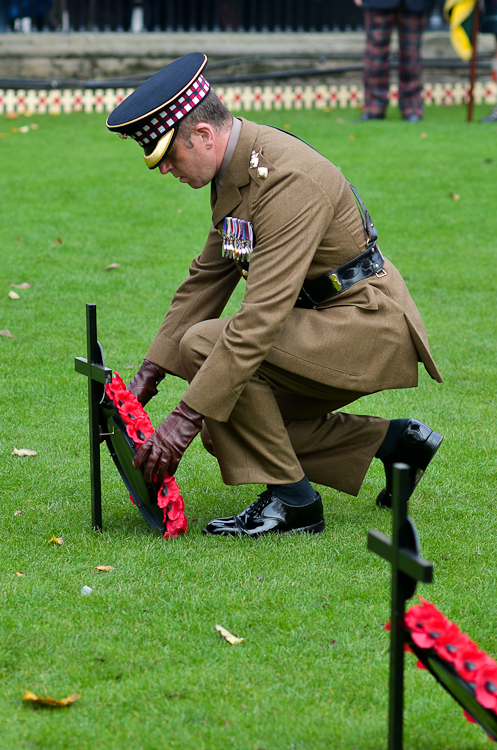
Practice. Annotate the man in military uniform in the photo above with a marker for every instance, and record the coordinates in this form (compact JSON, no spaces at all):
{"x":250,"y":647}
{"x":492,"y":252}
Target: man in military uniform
{"x":325,"y":319}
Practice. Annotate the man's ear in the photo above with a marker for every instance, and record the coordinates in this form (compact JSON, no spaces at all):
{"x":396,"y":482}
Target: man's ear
{"x":205,"y":132}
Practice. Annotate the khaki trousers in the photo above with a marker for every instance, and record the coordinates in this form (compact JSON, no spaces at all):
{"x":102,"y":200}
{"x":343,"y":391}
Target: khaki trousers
{"x":284,"y":426}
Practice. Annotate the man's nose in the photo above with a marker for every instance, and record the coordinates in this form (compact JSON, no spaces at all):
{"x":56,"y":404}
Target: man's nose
{"x":165,"y":167}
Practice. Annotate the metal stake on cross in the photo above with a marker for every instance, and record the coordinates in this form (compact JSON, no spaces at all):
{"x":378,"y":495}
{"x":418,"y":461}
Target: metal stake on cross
{"x":98,"y":376}
{"x":402,"y":551}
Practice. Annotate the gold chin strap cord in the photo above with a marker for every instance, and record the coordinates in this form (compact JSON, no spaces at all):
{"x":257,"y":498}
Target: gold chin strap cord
{"x":152,"y":159}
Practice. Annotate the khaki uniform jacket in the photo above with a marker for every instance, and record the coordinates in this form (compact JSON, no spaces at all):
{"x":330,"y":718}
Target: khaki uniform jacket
{"x":306,"y":222}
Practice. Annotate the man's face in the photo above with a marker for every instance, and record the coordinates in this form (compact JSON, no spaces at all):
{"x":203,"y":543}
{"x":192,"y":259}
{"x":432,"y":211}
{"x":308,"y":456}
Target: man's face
{"x":196,"y":166}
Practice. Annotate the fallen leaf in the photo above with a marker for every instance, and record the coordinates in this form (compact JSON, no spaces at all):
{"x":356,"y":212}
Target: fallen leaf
{"x":4,"y":135}
{"x":351,"y":137}
{"x":23,"y":452}
{"x":11,"y":115}
{"x":424,"y":135}
{"x":287,"y":127}
{"x":23,"y":285}
{"x":178,"y":211}
{"x":46,"y":701}
{"x":58,"y":241}
{"x":58,"y":540}
{"x":112,"y":265}
{"x":6,"y":333}
{"x":18,"y":512}
{"x":34,"y":126}
{"x":19,"y":574}
{"x":104,"y":568}
{"x":20,"y":239}
{"x":14,"y":130}
{"x":14,"y":295}
{"x":228,"y":636}
{"x":456,"y":196}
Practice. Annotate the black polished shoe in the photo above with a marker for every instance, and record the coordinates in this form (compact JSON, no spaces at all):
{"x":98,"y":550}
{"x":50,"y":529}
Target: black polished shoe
{"x":413,"y":117}
{"x":366,"y":116}
{"x":269,"y":515}
{"x":415,"y":447}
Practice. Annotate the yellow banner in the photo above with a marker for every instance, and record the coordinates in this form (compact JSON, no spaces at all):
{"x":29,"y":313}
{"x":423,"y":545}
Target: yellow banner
{"x":459,"y":15}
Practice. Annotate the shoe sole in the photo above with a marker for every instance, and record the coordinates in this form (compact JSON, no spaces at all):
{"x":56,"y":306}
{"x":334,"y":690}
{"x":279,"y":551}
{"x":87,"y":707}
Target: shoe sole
{"x":316,"y":528}
{"x":427,"y":453}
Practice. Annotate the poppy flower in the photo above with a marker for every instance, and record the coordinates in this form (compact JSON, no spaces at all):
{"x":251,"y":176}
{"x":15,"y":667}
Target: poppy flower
{"x":172,"y":504}
{"x":175,"y":511}
{"x":174,"y":527}
{"x":115,"y":386}
{"x":451,"y":643}
{"x":469,"y":660}
{"x":426,"y":624}
{"x":139,"y":430}
{"x":486,"y":685}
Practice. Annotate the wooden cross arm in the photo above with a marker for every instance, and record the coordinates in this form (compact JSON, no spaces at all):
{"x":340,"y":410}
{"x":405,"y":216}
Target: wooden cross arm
{"x":97,"y":372}
{"x":408,"y":562}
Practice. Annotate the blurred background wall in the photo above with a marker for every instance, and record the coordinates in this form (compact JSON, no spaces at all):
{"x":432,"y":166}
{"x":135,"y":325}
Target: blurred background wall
{"x":186,"y":15}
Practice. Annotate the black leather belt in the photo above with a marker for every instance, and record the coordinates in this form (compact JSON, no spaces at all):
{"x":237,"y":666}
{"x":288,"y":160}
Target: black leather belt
{"x":315,"y":291}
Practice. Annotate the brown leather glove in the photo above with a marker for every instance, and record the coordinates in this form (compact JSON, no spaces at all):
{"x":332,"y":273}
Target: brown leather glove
{"x":144,"y":384}
{"x":163,"y":450}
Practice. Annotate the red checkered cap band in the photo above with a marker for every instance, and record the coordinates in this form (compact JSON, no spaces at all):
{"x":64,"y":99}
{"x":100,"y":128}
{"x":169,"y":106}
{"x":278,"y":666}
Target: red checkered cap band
{"x":164,"y":120}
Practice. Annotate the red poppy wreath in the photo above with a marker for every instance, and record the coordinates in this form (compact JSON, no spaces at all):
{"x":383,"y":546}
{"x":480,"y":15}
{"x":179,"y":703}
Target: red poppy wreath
{"x":139,"y":428}
{"x":468,"y":673}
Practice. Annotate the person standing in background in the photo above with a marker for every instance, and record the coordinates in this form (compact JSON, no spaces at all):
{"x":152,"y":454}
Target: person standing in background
{"x":380,"y":17}
{"x":489,"y":26}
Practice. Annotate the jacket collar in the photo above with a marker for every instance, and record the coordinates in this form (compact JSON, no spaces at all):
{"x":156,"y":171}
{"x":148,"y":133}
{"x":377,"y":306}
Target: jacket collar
{"x":237,"y":175}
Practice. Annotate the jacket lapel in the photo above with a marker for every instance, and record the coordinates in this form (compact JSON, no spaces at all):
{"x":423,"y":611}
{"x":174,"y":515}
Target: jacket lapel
{"x":237,"y":175}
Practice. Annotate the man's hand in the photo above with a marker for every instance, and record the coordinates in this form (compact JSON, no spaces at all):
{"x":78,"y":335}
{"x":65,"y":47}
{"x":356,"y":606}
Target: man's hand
{"x":163,"y":450}
{"x":144,"y":384}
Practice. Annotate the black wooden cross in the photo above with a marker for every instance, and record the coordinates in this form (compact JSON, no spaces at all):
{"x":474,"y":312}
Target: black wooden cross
{"x":402,"y":551}
{"x":98,"y":376}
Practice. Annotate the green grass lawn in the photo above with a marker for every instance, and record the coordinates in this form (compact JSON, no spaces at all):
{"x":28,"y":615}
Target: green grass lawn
{"x":312,"y":672}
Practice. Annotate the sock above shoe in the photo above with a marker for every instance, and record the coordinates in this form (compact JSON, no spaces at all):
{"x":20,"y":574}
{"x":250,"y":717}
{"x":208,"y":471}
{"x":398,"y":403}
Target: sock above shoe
{"x":297,"y":493}
{"x":395,"y":430}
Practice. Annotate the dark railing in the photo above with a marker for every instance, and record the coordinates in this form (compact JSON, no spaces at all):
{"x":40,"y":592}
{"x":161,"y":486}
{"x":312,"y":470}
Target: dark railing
{"x":186,"y":15}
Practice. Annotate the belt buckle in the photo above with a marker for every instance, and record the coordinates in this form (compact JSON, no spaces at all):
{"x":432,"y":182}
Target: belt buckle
{"x":381,"y":273}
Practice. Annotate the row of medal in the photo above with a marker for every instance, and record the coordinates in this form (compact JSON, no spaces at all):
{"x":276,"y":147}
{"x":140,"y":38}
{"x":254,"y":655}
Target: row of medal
{"x":238,"y":238}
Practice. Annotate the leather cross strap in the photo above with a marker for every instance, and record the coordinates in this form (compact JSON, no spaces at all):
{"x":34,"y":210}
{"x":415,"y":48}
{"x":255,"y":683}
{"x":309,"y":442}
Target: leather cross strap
{"x":315,"y":291}
{"x":368,"y":263}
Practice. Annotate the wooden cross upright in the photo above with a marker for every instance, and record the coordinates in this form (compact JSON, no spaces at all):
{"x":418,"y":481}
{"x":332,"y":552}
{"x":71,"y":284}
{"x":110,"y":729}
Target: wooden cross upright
{"x":98,"y":376}
{"x":402,"y":551}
